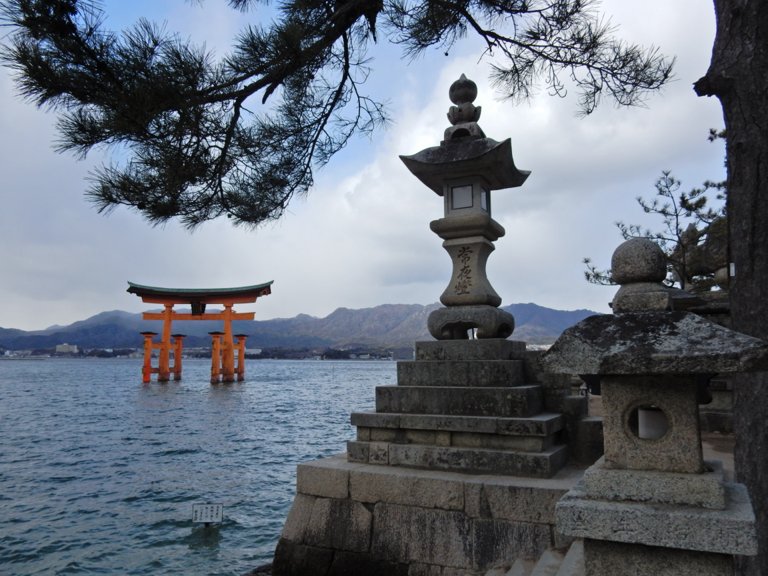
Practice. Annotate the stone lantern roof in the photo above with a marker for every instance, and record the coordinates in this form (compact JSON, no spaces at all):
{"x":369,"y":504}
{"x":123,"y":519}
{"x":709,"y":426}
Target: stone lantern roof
{"x":654,"y":343}
{"x":465,"y":150}
{"x":646,"y":335}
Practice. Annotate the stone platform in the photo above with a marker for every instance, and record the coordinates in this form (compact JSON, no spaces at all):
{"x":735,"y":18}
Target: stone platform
{"x":456,"y":473}
{"x":353,"y":518}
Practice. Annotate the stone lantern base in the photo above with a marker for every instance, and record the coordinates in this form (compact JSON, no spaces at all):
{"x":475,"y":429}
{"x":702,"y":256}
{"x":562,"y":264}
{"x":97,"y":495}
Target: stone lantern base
{"x":612,"y":558}
{"x":453,"y":323}
{"x":660,"y":539}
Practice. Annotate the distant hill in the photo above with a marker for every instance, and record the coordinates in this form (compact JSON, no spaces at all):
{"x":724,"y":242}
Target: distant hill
{"x":385,"y":326}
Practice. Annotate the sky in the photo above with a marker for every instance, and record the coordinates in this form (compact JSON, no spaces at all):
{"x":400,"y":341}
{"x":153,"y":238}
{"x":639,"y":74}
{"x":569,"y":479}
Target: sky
{"x":361,"y":237}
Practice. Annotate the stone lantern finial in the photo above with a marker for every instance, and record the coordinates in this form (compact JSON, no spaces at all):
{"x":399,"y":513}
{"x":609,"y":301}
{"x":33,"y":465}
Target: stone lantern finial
{"x":640,"y":266}
{"x":464,"y":115}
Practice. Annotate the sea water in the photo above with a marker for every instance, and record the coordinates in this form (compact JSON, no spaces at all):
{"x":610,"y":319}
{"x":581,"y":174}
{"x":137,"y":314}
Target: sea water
{"x":99,"y":472}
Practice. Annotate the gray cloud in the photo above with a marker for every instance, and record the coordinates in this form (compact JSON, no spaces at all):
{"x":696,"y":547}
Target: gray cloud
{"x":361,"y":237}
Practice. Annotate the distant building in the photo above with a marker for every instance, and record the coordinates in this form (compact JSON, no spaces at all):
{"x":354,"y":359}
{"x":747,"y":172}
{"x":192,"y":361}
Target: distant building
{"x":66,"y":348}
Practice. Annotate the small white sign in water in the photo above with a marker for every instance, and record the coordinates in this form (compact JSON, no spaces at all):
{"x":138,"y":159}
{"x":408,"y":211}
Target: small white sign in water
{"x":208,"y":513}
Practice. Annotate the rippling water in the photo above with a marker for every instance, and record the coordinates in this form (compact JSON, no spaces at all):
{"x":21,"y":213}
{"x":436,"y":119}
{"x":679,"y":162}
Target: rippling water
{"x":98,"y":473}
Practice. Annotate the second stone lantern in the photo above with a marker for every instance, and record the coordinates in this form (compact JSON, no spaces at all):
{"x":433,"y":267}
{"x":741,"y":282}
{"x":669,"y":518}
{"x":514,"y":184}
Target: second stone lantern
{"x":464,"y":169}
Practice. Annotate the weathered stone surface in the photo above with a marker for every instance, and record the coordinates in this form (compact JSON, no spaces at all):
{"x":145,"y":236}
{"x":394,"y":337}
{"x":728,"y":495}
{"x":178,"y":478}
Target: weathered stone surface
{"x":463,"y":314}
{"x":534,"y":373}
{"x":298,"y":518}
{"x":439,"y":537}
{"x":501,"y":497}
{"x":642,"y":297}
{"x":640,"y":267}
{"x":613,"y":558}
{"x":378,"y":452}
{"x":484,"y":424}
{"x":543,"y":424}
{"x":679,"y":450}
{"x":548,"y":563}
{"x":458,"y":159}
{"x":706,"y":490}
{"x":638,"y":260}
{"x":498,"y":442}
{"x":461,"y":373}
{"x":352,"y":564}
{"x":322,"y":478}
{"x":516,"y":401}
{"x":358,"y":451}
{"x":573,"y":563}
{"x":461,"y":572}
{"x":479,"y":461}
{"x":521,"y":567}
{"x":516,"y":499}
{"x":459,"y":439}
{"x":434,"y":522}
{"x":426,"y":489}
{"x":586,"y":442}
{"x":487,"y":349}
{"x":497,"y":541}
{"x":469,"y":286}
{"x":729,"y":531}
{"x":375,"y":420}
{"x":295,"y":559}
{"x":653,"y":343}
{"x":339,"y":525}
{"x":561,"y":540}
{"x":418,"y":569}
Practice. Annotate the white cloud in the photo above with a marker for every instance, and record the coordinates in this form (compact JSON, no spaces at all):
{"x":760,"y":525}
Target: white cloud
{"x":361,"y":237}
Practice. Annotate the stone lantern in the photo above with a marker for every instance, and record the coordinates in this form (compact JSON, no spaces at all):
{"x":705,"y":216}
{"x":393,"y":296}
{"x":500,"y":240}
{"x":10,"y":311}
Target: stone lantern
{"x":652,"y":504}
{"x":464,"y":169}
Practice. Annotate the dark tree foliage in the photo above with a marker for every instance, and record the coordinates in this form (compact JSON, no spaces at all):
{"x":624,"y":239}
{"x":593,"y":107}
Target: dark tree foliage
{"x":693,"y":234}
{"x":196,"y":138}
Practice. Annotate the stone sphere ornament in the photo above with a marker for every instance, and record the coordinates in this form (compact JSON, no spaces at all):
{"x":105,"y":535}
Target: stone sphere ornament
{"x":638,"y":260}
{"x":462,"y":91}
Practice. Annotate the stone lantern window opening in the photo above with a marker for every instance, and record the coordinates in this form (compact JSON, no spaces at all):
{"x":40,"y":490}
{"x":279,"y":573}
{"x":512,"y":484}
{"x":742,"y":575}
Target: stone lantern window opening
{"x":461,"y":197}
{"x":465,"y":196}
{"x":647,"y":422}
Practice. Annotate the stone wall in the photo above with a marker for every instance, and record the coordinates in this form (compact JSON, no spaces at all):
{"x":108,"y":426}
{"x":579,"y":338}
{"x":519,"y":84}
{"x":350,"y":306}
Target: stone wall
{"x":351,"y":518}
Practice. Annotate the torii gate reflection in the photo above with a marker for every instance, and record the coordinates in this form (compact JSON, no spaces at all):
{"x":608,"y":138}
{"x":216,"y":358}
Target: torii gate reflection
{"x":225,"y":366}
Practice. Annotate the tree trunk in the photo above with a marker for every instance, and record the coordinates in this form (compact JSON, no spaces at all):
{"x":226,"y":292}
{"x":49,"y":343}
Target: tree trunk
{"x":738,"y":77}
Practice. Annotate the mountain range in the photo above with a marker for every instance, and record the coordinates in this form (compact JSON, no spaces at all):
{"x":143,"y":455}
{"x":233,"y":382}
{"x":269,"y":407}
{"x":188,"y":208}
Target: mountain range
{"x":384,"y":326}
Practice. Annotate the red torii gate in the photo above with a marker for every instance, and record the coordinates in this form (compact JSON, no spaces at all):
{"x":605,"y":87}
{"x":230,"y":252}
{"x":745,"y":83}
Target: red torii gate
{"x":223,"y":345}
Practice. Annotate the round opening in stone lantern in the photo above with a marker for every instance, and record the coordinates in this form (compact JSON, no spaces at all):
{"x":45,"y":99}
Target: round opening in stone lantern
{"x":464,"y":169}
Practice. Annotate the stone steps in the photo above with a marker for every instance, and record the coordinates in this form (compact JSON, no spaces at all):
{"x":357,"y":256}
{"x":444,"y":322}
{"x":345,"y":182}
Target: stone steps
{"x":550,"y":563}
{"x":491,"y":349}
{"x":462,"y":406}
{"x":542,"y":424}
{"x":518,"y":401}
{"x":493,"y":373}
{"x":532,"y":434}
{"x":541,"y":464}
